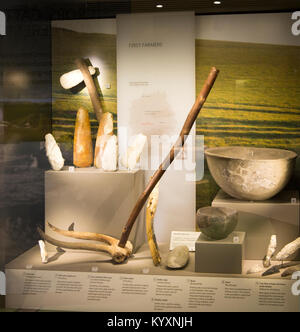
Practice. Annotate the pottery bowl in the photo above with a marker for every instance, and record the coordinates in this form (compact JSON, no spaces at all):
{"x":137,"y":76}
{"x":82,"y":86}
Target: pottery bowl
{"x":216,"y":223}
{"x":249,"y":173}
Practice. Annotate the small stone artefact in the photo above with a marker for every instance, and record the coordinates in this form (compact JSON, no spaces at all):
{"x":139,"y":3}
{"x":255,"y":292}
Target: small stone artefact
{"x":53,"y":153}
{"x":270,"y":252}
{"x":134,"y":151}
{"x":71,"y":79}
{"x":178,"y":257}
{"x":105,"y":131}
{"x":44,"y":253}
{"x":276,"y":268}
{"x":110,"y":154}
{"x":83,"y":147}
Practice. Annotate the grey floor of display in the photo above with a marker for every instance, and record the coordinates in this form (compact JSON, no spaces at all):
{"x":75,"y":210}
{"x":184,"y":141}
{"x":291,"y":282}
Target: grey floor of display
{"x":139,"y":263}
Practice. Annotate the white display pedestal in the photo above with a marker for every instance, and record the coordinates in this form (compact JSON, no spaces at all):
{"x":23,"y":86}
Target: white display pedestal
{"x":95,"y":201}
{"x":91,"y":282}
{"x":261,"y":219}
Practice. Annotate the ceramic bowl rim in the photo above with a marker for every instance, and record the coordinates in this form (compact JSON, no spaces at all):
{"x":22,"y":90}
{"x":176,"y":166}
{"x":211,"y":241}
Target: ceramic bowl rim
{"x":229,"y":209}
{"x":213,"y":152}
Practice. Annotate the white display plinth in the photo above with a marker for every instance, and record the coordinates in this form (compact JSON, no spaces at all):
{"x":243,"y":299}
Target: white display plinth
{"x":91,"y":282}
{"x":261,"y":219}
{"x":95,"y":201}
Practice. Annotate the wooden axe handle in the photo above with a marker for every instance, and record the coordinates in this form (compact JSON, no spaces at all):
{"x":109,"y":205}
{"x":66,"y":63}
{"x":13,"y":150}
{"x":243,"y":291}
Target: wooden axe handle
{"x":191,"y":118}
{"x":89,"y":82}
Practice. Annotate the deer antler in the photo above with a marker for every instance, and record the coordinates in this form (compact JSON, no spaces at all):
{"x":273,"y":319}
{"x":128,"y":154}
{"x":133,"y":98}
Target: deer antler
{"x":118,"y":254}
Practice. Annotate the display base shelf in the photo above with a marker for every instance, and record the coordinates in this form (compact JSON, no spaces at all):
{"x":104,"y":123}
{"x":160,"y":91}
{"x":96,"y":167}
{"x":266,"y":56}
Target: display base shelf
{"x":91,"y":282}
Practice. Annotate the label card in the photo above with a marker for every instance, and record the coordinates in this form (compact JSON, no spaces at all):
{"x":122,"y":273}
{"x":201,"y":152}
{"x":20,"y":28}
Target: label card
{"x":184,"y":238}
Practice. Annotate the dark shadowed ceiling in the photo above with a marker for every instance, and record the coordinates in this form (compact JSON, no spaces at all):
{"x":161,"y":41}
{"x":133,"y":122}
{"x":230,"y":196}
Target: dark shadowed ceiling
{"x":109,"y":8}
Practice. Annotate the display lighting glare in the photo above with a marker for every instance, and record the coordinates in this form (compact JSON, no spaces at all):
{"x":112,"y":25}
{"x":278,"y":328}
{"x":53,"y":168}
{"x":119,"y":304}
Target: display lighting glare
{"x":18,"y":79}
{"x":217,"y":2}
{"x":159,"y":6}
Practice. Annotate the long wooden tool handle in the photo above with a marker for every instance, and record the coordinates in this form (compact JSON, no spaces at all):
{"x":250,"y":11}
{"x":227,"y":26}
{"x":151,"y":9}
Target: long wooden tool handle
{"x":89,"y":82}
{"x":191,"y":118}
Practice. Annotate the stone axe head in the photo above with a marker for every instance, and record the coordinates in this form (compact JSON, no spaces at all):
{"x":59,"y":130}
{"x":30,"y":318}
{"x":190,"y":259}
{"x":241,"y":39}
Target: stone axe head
{"x":73,"y":78}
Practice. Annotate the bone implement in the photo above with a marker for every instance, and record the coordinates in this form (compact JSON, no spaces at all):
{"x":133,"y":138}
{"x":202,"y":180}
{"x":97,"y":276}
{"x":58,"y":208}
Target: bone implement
{"x":83,"y":147}
{"x":178,"y":257}
{"x":110,"y":155}
{"x":134,"y":151}
{"x":150,"y":213}
{"x":270,"y":252}
{"x":288,"y":250}
{"x":105,"y":131}
{"x":43,"y":251}
{"x":74,"y":77}
{"x":53,"y":153}
{"x":289,"y":271}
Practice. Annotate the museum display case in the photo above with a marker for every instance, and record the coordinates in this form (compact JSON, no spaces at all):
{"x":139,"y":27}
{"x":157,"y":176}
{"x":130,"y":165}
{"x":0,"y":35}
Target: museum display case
{"x":150,"y":160}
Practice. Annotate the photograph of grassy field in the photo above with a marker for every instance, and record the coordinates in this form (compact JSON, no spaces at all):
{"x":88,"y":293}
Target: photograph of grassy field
{"x":255,"y":100}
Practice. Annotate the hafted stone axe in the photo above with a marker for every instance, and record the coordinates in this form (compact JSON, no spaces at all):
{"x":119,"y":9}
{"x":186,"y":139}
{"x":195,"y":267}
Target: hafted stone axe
{"x":83,"y":73}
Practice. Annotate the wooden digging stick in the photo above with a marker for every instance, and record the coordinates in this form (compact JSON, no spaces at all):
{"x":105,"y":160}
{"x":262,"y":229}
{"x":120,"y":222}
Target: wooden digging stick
{"x":89,"y":82}
{"x":192,"y":116}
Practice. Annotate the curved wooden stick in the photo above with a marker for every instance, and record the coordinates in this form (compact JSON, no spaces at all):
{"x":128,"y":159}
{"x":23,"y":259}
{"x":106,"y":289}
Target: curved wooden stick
{"x":89,"y":82}
{"x":191,"y":118}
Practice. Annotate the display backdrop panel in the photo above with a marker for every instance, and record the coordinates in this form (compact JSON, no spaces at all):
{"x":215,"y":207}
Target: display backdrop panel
{"x":255,"y":100}
{"x":156,"y":90}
